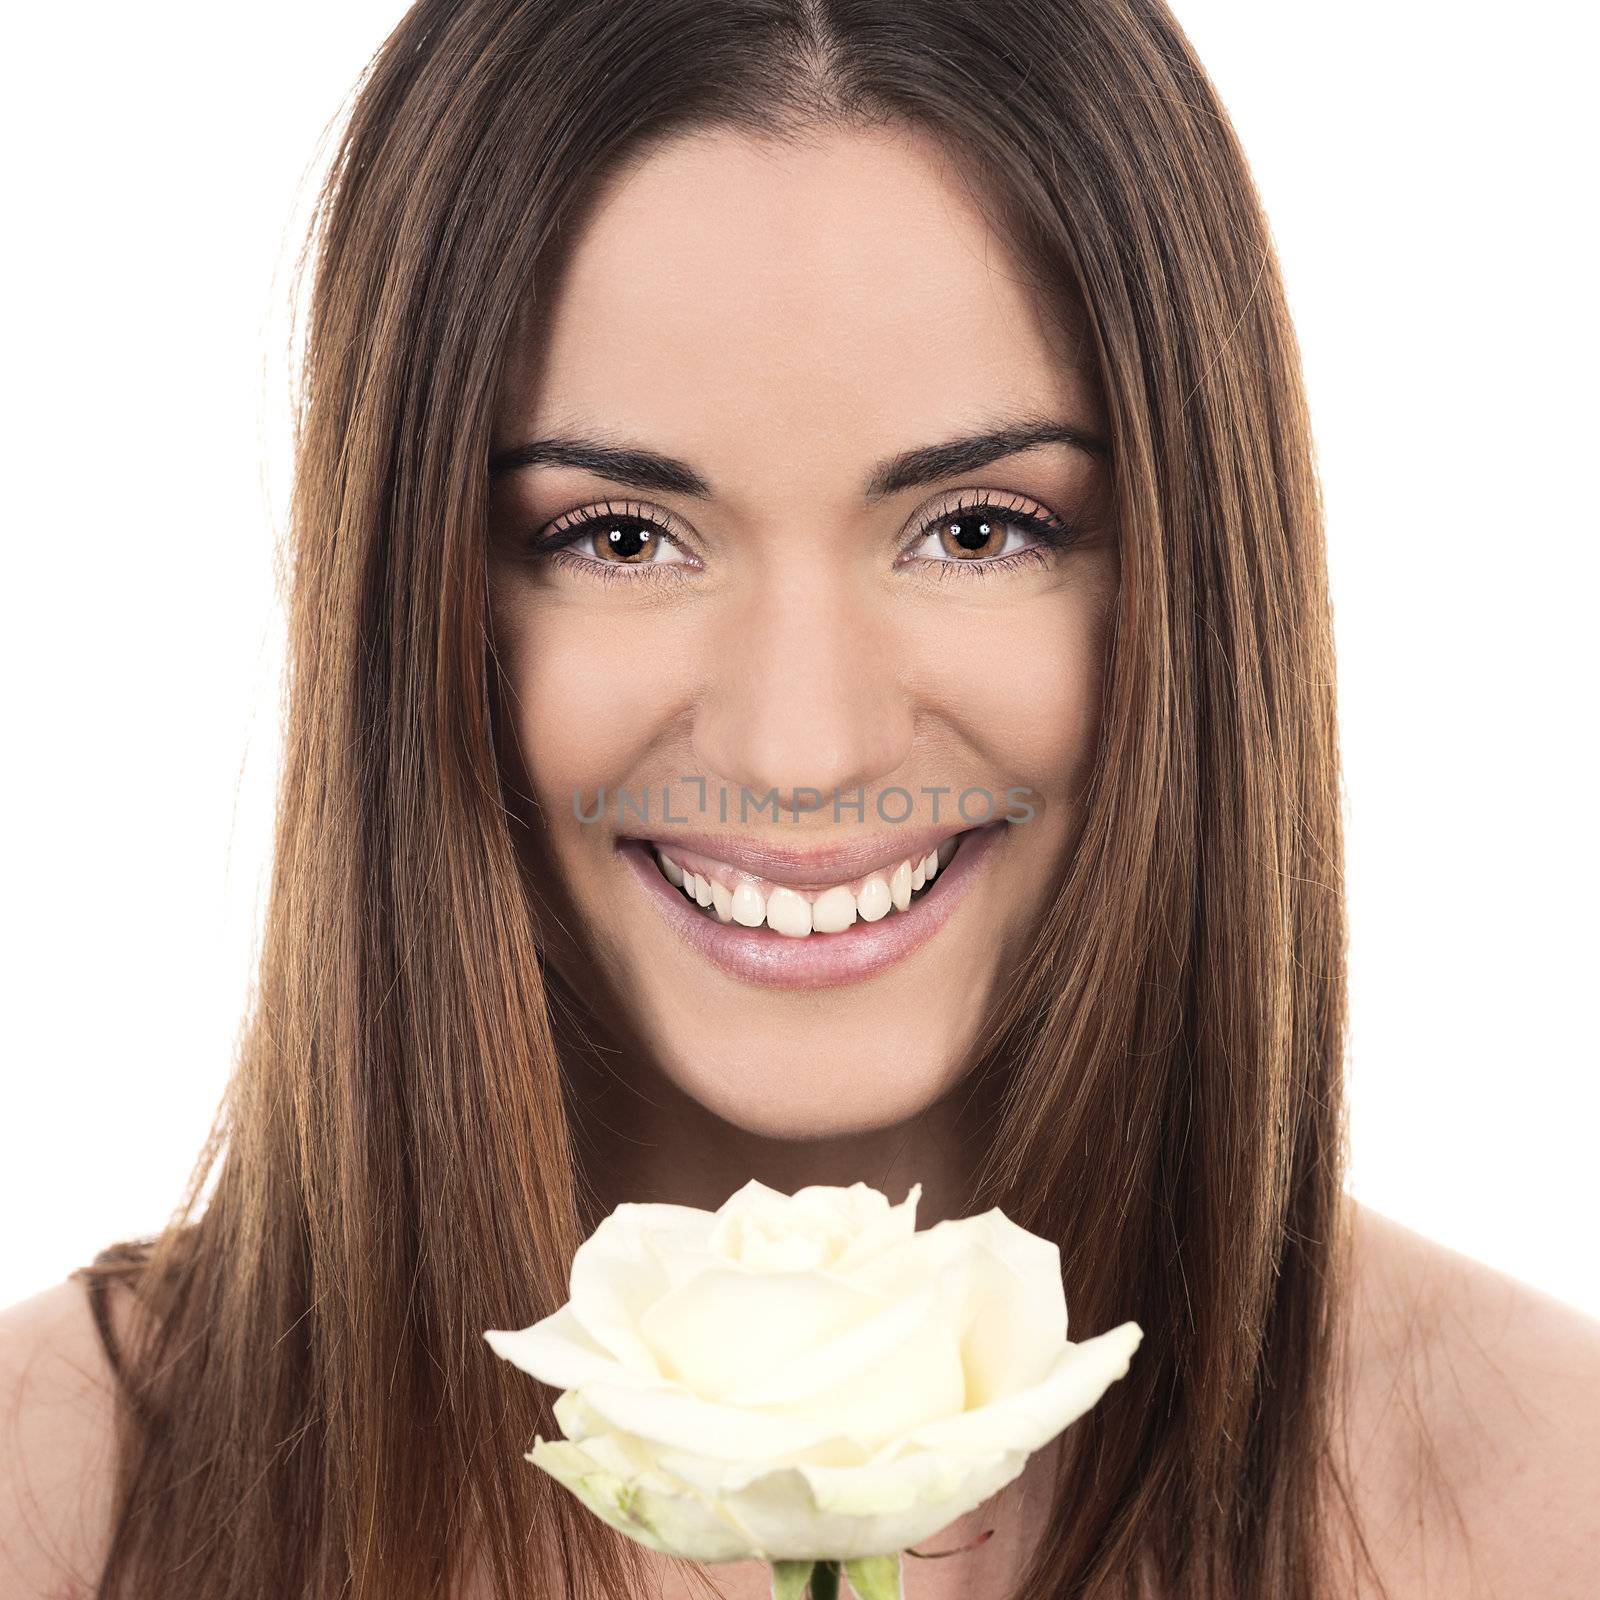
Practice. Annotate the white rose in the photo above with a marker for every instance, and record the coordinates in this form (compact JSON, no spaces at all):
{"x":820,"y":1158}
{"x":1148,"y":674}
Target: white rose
{"x":800,"y":1377}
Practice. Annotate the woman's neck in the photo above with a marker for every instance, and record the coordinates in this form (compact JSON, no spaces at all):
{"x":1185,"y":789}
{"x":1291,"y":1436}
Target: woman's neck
{"x":643,"y":1139}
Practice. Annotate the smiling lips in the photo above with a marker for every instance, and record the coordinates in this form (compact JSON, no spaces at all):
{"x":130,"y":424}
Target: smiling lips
{"x":731,"y":894}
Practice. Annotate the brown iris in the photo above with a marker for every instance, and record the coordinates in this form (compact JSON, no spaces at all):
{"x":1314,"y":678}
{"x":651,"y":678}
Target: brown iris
{"x":623,"y":541}
{"x":969,"y":534}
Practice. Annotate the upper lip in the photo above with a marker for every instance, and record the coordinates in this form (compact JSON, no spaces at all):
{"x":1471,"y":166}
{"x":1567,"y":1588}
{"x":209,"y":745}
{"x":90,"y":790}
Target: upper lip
{"x":800,"y":868}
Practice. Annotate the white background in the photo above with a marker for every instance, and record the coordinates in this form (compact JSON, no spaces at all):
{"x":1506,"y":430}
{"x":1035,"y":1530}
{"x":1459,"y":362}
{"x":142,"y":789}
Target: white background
{"x":1426,"y":171}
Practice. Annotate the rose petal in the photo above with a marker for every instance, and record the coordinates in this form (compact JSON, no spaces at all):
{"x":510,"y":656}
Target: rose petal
{"x":879,"y":1228}
{"x":660,"y":1517}
{"x":1012,"y":1324}
{"x":682,"y":1421}
{"x":730,"y":1328}
{"x":825,"y":1364}
{"x":615,"y":1277}
{"x":846,"y":1512}
{"x":1031,"y":1417}
{"x":769,"y":1231}
{"x":917,"y":1381}
{"x":559,"y":1350}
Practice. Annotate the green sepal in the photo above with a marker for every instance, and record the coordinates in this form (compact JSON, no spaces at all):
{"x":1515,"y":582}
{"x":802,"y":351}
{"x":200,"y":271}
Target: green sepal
{"x":875,"y":1577}
{"x":789,"y":1579}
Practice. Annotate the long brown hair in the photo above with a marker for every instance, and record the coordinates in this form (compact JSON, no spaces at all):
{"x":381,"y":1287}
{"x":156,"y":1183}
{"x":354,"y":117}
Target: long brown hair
{"x":309,"y":1406}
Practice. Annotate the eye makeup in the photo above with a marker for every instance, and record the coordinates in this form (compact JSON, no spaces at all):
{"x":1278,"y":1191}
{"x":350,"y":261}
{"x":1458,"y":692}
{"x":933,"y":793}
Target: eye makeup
{"x":636,"y":537}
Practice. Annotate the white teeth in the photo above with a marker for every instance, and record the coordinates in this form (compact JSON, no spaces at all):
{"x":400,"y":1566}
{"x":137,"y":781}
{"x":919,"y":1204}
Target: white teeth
{"x":790,"y":913}
{"x":833,"y":911}
{"x":900,"y":886}
{"x":874,"y":900}
{"x":748,"y":906}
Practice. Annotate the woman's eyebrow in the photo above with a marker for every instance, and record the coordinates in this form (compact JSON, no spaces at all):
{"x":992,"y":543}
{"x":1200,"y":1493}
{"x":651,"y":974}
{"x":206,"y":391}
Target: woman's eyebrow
{"x":663,"y":474}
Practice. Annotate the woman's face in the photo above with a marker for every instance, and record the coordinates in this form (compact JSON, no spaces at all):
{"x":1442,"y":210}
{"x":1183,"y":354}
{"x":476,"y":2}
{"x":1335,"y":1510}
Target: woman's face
{"x":795,"y":646}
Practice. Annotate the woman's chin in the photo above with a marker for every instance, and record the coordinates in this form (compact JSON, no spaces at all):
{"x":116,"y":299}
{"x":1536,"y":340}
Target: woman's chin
{"x":826,"y":1093}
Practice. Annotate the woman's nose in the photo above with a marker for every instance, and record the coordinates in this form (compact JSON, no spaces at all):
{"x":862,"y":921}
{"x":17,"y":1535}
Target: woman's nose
{"x":805,"y":690}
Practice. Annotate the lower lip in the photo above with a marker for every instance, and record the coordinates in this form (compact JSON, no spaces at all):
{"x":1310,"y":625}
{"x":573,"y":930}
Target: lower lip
{"x":758,"y":955}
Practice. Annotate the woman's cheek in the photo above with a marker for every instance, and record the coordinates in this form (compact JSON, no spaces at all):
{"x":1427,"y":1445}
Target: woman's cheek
{"x":1023,"y":682}
{"x":595,"y":688}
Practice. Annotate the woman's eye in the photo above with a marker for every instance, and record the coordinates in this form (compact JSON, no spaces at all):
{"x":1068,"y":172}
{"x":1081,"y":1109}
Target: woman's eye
{"x":980,"y":537}
{"x":982,"y":533}
{"x":613,"y":540}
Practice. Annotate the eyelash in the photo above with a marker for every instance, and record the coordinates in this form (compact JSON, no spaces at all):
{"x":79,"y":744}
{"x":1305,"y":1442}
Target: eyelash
{"x":1052,"y":532}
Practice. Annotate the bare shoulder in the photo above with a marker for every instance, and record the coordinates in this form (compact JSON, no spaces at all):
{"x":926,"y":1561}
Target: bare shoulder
{"x":56,"y":1420}
{"x":1472,"y":1424}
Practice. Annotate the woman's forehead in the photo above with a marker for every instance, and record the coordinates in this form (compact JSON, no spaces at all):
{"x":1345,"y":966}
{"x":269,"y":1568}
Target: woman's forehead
{"x":843,"y":290}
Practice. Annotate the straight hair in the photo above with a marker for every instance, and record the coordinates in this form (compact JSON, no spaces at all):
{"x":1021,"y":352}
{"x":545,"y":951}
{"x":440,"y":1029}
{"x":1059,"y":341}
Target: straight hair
{"x":308,"y":1407}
